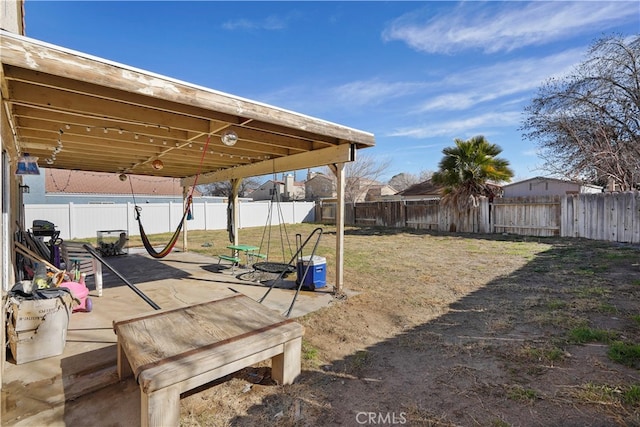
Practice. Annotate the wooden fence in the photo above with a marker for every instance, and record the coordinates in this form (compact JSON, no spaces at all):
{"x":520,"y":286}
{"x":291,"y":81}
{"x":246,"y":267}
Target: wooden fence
{"x":602,"y":216}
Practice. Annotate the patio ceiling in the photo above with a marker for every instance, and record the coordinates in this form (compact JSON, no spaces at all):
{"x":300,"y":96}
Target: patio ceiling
{"x":75,"y":111}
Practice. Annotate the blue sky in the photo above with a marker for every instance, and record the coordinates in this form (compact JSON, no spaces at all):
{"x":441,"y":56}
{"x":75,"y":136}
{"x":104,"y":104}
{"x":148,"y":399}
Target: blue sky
{"x":415,"y":74}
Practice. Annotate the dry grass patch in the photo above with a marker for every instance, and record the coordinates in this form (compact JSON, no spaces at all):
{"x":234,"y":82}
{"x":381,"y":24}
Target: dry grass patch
{"x":451,"y":330}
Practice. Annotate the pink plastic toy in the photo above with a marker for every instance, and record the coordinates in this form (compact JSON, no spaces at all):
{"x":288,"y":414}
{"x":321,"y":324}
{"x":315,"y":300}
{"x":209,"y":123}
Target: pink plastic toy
{"x":81,"y":292}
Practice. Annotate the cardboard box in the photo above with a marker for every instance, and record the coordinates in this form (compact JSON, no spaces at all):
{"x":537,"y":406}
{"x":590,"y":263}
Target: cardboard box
{"x":37,"y":328}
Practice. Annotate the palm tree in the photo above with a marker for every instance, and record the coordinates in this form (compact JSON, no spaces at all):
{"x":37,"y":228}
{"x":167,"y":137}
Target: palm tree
{"x":468,"y":169}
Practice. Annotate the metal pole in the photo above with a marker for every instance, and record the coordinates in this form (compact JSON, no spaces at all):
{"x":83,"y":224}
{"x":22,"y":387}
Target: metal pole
{"x":113,"y":270}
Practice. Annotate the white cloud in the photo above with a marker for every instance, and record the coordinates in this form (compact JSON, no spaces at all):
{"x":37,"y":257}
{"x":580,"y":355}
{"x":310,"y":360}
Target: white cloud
{"x":482,"y":84}
{"x":271,"y":23}
{"x":462,"y":126}
{"x":373,"y":91}
{"x":506,"y":26}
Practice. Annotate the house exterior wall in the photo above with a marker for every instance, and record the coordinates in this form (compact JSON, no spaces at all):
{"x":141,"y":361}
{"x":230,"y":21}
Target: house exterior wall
{"x":319,"y":187}
{"x":11,"y":16}
{"x":547,"y":187}
{"x":265,"y":191}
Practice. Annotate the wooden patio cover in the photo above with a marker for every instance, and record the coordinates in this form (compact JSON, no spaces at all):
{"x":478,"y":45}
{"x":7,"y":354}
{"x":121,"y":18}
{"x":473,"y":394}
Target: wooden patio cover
{"x":110,"y":117}
{"x":76,"y":111}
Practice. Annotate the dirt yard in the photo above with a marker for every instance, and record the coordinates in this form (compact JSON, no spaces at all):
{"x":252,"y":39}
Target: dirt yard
{"x":452,"y":330}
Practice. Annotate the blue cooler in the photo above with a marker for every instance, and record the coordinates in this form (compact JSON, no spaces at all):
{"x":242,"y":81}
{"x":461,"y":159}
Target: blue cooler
{"x":316,"y":276}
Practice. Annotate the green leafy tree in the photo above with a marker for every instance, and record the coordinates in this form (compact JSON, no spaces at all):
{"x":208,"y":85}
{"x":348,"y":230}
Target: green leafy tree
{"x":471,"y":169}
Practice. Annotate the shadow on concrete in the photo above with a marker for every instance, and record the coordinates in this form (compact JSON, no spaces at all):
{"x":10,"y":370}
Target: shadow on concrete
{"x":137,"y":269}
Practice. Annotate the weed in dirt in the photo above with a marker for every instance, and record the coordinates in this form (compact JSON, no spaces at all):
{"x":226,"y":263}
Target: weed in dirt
{"x":417,"y":416}
{"x":360,"y":360}
{"x":608,"y":395}
{"x":584,"y":335}
{"x":627,"y":254}
{"x":601,"y":394}
{"x":556,"y":304}
{"x":559,"y":320}
{"x":309,"y":353}
{"x":591,"y":291}
{"x":631,"y":395}
{"x":636,"y":318}
{"x":543,"y":354}
{"x":636,"y":282}
{"x":624,"y":353}
{"x":607,"y":308}
{"x":521,"y":394}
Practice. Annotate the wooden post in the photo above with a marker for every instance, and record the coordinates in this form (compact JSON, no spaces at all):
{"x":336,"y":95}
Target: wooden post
{"x":123,"y":366}
{"x":235,"y":188}
{"x":285,"y":367}
{"x":338,"y":170}
{"x":161,"y":408}
{"x":185,"y":195}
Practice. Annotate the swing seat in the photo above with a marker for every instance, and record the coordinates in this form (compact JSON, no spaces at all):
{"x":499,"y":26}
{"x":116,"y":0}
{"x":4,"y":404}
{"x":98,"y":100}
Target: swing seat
{"x":275,"y":267}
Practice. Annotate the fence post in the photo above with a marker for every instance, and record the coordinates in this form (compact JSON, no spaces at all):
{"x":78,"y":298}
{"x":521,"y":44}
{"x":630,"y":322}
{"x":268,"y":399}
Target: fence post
{"x":72,"y":220}
{"x":206,"y":209}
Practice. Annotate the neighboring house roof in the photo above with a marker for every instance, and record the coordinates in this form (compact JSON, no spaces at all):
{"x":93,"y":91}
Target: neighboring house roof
{"x":376,"y":192}
{"x":424,"y":188}
{"x":542,"y":178}
{"x":536,"y":178}
{"x":80,"y":182}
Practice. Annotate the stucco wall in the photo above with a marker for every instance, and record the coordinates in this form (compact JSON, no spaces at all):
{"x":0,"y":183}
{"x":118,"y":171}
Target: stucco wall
{"x":546,"y":187}
{"x":11,"y":14}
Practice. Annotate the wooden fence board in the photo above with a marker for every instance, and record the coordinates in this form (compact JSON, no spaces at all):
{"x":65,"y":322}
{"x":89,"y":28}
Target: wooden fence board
{"x":601,"y":216}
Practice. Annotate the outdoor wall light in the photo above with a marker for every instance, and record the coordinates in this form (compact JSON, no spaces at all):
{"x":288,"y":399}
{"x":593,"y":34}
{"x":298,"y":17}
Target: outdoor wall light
{"x":122,"y":177}
{"x":229,"y":138}
{"x":157,"y":164}
{"x":27,"y":165}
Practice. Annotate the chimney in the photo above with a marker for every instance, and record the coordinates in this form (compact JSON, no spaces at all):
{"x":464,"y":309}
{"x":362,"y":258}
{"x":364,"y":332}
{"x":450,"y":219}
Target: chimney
{"x":288,"y":187}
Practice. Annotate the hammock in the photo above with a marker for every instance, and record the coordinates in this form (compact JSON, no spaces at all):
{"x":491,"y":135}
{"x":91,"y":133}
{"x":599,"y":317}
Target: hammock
{"x":186,"y":215}
{"x":169,"y":247}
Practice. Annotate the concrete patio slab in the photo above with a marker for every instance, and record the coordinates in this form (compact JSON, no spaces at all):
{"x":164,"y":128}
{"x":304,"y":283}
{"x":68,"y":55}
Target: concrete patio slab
{"x":81,"y":386}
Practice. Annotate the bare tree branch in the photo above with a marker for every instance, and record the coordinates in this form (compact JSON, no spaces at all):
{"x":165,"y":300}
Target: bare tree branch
{"x":587,"y":125}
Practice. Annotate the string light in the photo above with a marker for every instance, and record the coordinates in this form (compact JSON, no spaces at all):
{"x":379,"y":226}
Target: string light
{"x":229,"y":138}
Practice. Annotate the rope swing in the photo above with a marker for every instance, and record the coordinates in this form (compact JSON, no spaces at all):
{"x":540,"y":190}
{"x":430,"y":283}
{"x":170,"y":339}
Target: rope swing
{"x":186,"y":215}
{"x":271,"y":266}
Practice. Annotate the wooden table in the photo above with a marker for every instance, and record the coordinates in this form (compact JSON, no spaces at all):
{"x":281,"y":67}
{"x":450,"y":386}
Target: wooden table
{"x":173,"y":351}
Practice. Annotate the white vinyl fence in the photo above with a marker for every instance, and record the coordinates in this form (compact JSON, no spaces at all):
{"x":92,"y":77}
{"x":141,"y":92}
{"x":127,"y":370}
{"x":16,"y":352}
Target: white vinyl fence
{"x":75,"y":221}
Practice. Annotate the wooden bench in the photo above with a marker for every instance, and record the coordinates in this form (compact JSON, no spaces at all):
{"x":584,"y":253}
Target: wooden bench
{"x":72,"y":253}
{"x":174,"y":351}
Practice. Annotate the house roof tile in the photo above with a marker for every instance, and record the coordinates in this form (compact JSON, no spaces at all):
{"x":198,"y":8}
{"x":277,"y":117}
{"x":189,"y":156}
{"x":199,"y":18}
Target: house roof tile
{"x":81,"y":182}
{"x":422,"y":189}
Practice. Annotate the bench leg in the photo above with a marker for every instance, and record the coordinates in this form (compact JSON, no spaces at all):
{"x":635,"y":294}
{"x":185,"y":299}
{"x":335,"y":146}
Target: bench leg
{"x":160,"y":408}
{"x":124,"y":367}
{"x":285,"y":367}
{"x":98,"y":278}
